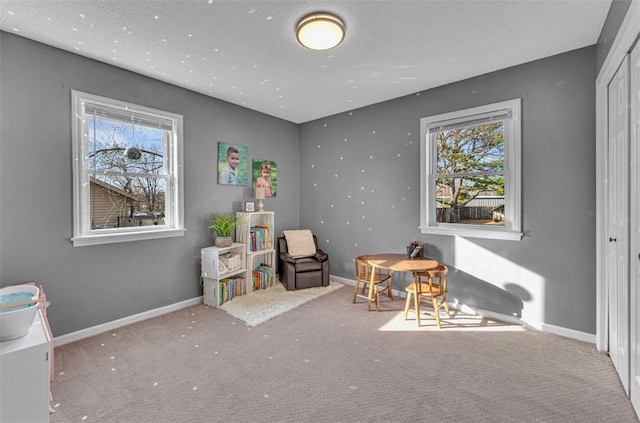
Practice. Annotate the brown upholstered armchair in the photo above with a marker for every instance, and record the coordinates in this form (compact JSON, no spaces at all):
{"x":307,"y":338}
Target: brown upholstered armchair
{"x":298,"y":272}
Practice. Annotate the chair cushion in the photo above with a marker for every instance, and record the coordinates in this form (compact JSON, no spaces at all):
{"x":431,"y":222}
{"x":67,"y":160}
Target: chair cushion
{"x":300,"y":243}
{"x":307,"y":264}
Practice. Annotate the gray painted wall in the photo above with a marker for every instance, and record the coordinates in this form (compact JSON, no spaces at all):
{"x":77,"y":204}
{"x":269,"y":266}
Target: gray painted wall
{"x":547,"y":277}
{"x":88,"y":286}
{"x":360,"y":190}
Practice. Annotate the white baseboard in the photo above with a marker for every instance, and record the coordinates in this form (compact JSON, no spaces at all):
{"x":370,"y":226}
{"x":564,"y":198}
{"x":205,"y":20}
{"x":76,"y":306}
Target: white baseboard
{"x":540,"y":326}
{"x":543,"y":327}
{"x":95,"y":330}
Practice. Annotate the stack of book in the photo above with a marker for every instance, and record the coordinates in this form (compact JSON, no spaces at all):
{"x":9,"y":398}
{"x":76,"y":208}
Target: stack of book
{"x":231,"y":288}
{"x":261,"y":277}
{"x":260,"y":237}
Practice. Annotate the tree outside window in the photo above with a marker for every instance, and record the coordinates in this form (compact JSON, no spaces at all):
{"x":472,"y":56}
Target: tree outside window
{"x":470,"y":161}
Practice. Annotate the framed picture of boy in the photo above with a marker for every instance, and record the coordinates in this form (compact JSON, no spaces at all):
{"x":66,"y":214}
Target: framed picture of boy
{"x":265,"y":175}
{"x":232,"y":164}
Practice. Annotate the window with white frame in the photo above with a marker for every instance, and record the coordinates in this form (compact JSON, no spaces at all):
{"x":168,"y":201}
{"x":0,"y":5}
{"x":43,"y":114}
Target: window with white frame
{"x":127,"y":171}
{"x":470,"y":164}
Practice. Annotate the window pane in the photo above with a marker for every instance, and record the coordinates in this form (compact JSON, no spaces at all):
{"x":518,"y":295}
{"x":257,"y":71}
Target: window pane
{"x":119,"y":201}
{"x":119,"y":146}
{"x":471,"y":149}
{"x":470,"y":200}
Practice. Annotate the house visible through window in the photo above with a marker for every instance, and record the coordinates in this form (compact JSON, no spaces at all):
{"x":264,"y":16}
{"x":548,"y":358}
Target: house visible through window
{"x":127,"y":171}
{"x":471,"y":172}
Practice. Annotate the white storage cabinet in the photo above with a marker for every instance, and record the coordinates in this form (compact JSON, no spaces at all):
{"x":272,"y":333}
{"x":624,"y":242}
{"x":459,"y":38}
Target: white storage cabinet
{"x":218,"y":264}
{"x":24,"y":376}
{"x":256,"y":231}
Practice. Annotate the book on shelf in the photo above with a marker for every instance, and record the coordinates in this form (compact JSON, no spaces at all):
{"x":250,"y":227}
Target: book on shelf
{"x":261,"y":277}
{"x":231,"y":288}
{"x":260,"y":237}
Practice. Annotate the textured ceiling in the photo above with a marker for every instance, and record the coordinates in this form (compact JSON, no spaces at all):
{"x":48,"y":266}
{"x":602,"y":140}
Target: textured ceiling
{"x":245,"y":52}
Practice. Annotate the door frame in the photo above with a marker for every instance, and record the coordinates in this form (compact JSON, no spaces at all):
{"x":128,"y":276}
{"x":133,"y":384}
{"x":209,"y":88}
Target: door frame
{"x":623,"y":42}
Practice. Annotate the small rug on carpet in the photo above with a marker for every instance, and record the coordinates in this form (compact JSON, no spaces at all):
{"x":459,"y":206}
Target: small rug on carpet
{"x":258,"y":307}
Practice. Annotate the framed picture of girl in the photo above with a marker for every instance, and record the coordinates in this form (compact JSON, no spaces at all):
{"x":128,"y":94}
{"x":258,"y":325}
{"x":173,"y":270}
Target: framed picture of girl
{"x":232,"y":164}
{"x":265,"y":175}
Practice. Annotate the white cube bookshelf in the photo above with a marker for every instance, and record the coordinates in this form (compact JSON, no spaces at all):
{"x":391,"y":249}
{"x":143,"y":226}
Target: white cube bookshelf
{"x":224,"y":273}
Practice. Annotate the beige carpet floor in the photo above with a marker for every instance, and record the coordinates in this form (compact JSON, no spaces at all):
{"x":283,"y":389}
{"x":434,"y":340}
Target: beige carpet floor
{"x":332,"y":361}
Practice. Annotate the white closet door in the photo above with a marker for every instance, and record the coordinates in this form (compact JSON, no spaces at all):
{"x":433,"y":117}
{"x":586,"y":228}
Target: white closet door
{"x":635,"y":230}
{"x":617,"y":216}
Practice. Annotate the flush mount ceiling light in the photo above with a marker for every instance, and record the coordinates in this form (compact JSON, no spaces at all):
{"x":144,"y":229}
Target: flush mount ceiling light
{"x":320,"y":31}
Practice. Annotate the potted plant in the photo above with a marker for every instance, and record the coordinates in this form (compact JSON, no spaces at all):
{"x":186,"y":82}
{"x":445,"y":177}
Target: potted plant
{"x":223,"y":226}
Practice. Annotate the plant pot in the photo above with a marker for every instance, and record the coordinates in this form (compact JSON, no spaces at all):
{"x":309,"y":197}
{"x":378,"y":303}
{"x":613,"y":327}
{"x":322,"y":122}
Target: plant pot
{"x":223,"y":241}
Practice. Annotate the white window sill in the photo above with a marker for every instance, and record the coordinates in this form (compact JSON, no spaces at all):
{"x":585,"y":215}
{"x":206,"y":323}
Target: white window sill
{"x":465,"y":231}
{"x":113,"y":238}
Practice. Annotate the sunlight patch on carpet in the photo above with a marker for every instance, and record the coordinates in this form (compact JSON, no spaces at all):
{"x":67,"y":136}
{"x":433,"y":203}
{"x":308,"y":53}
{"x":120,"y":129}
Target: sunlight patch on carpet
{"x":456,"y":322}
{"x":257,"y":308}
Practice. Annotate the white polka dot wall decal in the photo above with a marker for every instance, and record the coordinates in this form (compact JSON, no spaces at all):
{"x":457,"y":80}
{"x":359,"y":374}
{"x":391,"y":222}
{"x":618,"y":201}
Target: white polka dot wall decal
{"x":306,"y":360}
{"x":183,"y":335}
{"x":322,"y":222}
{"x":393,"y":206}
{"x":325,"y":125}
{"x":341,"y":157}
{"x":113,"y":369}
{"x":111,"y":358}
{"x":418,"y":94}
{"x":403,"y":198}
{"x":349,"y":196}
{"x":318,"y":145}
{"x":356,"y":244}
{"x":369,"y":229}
{"x":312,"y":166}
{"x":315,"y":185}
{"x":332,"y":206}
{"x":113,"y":334}
{"x":347,"y":222}
{"x":362,"y":188}
{"x":102,"y":345}
{"x":373,"y":132}
{"x":269,"y":18}
{"x":84,"y":417}
{"x":196,"y":346}
{"x":350,"y":113}
{"x":215,"y":352}
{"x":408,"y":134}
{"x":266,"y":395}
{"x":335,"y":175}
{"x":363,"y":217}
{"x":370,"y":157}
{"x":195,"y":388}
{"x":57,"y":405}
{"x":155,"y":384}
{"x":362,"y":202}
{"x":345,"y":140}
{"x":61,"y":373}
{"x":408,"y":188}
{"x":398,"y":155}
